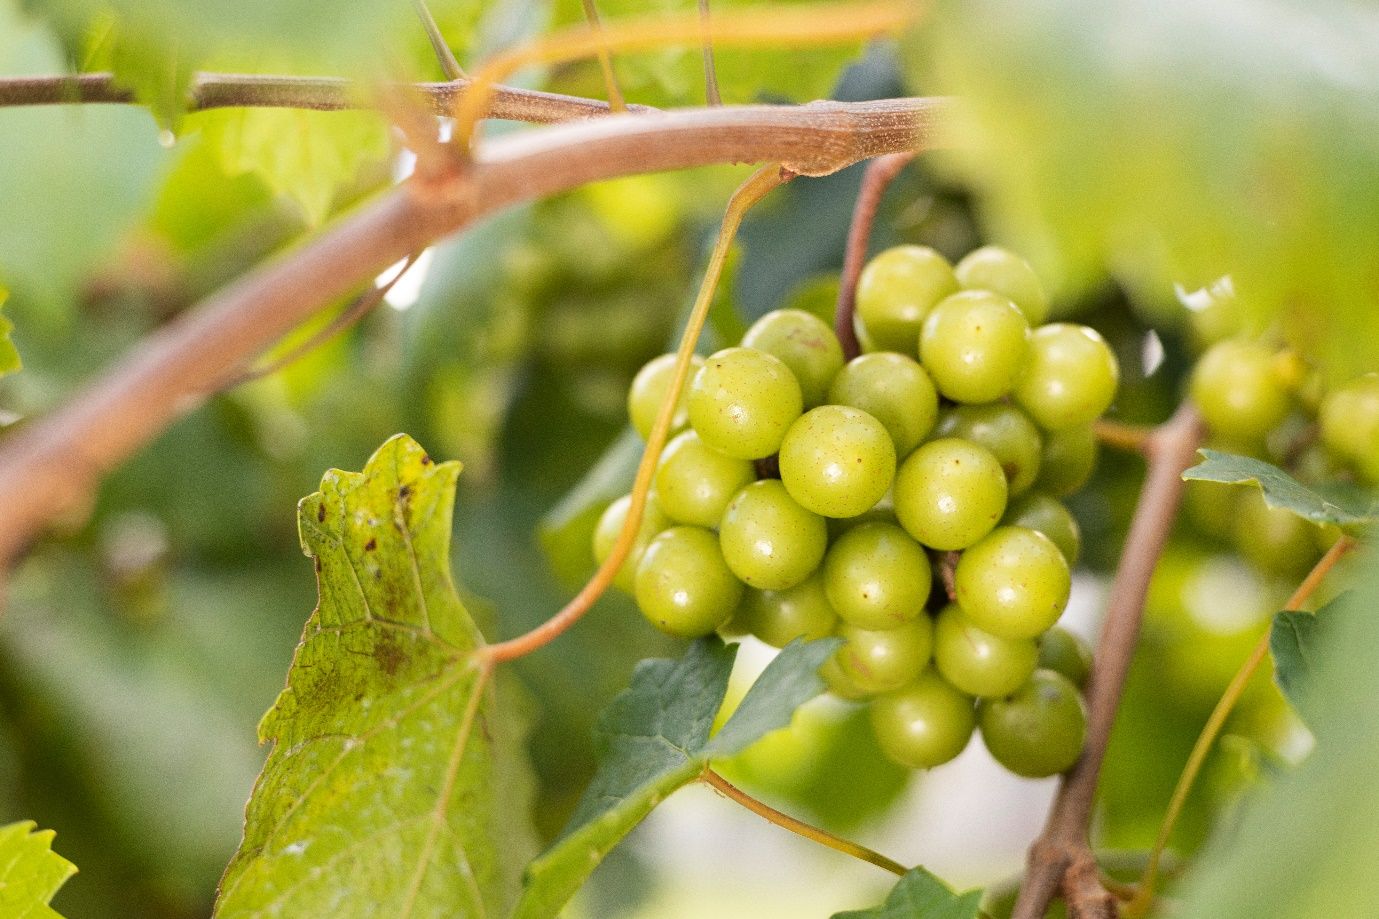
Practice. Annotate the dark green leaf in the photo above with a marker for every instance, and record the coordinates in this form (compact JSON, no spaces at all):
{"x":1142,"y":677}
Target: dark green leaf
{"x":1281,"y":490}
{"x":30,"y":872}
{"x":790,"y":680}
{"x":920,"y":895}
{"x":1296,"y":642}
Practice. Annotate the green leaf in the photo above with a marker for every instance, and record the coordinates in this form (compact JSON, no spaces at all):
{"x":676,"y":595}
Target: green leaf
{"x":9,"y":354}
{"x":920,"y":895}
{"x":654,"y":739}
{"x":394,"y":785}
{"x":1297,"y":641}
{"x":30,"y":871}
{"x":1281,"y":490}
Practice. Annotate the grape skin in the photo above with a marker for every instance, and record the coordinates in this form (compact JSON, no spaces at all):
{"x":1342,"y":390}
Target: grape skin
{"x":742,"y":401}
{"x":610,"y":525}
{"x":768,"y":540}
{"x":974,"y":344}
{"x":683,"y":586}
{"x":895,"y":291}
{"x":694,"y":482}
{"x":805,"y":344}
{"x":1014,"y":583}
{"x":895,"y":390}
{"x":648,"y":391}
{"x":950,"y":493}
{"x":924,"y":724}
{"x":837,"y":461}
{"x":877,"y":577}
{"x":1070,"y":378}
{"x":1039,"y":730}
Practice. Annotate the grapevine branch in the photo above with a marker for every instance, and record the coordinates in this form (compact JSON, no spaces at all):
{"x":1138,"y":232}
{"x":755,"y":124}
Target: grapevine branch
{"x":879,"y":175}
{"x":1061,"y":858}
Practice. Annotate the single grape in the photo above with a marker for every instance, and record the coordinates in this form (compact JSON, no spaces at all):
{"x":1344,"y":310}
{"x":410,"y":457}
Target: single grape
{"x":768,"y":540}
{"x":837,"y":461}
{"x":876,"y":661}
{"x":649,"y":388}
{"x":1273,"y":539}
{"x":804,"y":343}
{"x":1237,"y":391}
{"x":1063,"y":652}
{"x":1014,"y":583}
{"x":694,"y":482}
{"x":1038,"y":731}
{"x":779,"y":616}
{"x":894,"y":390}
{"x":1038,"y":511}
{"x":1070,"y":378}
{"x":839,"y":683}
{"x":610,"y":525}
{"x":1349,"y":418}
{"x":877,"y":577}
{"x":895,"y":291}
{"x":950,"y":493}
{"x":924,"y":724}
{"x":683,"y":586}
{"x":974,"y":344}
{"x":1003,"y":429}
{"x":977,"y":662}
{"x":1003,"y":272}
{"x":742,"y":401}
{"x":1069,"y":457}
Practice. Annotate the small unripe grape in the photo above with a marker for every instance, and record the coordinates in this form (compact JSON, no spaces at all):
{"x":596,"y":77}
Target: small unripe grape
{"x":694,"y":482}
{"x":1063,"y":652}
{"x":683,"y":586}
{"x":1350,"y":423}
{"x":839,"y":683}
{"x":1006,"y":431}
{"x":977,"y":662}
{"x":877,"y":577}
{"x":924,"y":724}
{"x":1273,"y":539}
{"x":804,"y":343}
{"x":837,"y":461}
{"x":896,"y":290}
{"x":974,"y":344}
{"x":778,"y":617}
{"x":649,"y":388}
{"x":1002,"y":271}
{"x":1014,"y":583}
{"x":894,"y":390}
{"x":1038,"y":511}
{"x":1039,"y":730}
{"x":1069,"y":457}
{"x":610,"y":525}
{"x":950,"y":493}
{"x":1237,"y":391}
{"x":877,"y":661}
{"x":1070,"y":379}
{"x":768,"y":540}
{"x":742,"y":401}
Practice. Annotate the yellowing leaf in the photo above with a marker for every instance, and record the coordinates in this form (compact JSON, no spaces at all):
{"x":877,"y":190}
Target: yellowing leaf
{"x":30,"y":872}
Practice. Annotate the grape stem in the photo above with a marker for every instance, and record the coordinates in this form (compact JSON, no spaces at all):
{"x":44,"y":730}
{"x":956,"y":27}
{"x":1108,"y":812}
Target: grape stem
{"x":450,"y":65}
{"x":879,"y":175}
{"x":711,"y":94}
{"x":1061,"y":859}
{"x":1144,"y":896}
{"x":610,"y":79}
{"x":1129,"y":437}
{"x":948,"y":573}
{"x":799,"y":827}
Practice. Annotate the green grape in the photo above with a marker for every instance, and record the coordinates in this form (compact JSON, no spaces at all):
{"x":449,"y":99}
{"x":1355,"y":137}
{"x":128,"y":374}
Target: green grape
{"x":683,"y":586}
{"x":1014,"y":583}
{"x":839,"y":683}
{"x":779,"y":616}
{"x":1273,"y":539}
{"x":837,"y":461}
{"x":924,"y":724}
{"x":1063,"y":652}
{"x":977,"y":662}
{"x":694,"y":482}
{"x":974,"y":344}
{"x":1213,"y":313}
{"x":1003,"y":272}
{"x":805,"y":344}
{"x":768,"y":540}
{"x":950,"y":493}
{"x":610,"y":525}
{"x":649,"y":388}
{"x":1069,"y":457}
{"x":876,"y":661}
{"x":894,"y":390}
{"x":877,"y":577}
{"x":1004,"y":430}
{"x":1038,"y":731}
{"x":1235,"y":387}
{"x":1038,"y":511}
{"x":1349,"y":418}
{"x":742,"y":401}
{"x":895,"y":292}
{"x":1070,"y":379}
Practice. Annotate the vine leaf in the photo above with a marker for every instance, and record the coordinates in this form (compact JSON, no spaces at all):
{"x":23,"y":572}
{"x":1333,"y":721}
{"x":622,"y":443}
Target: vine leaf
{"x":30,"y":871}
{"x":654,"y":738}
{"x":395,"y":786}
{"x":1281,"y":490}
{"x":920,"y":894}
{"x":1296,"y":642}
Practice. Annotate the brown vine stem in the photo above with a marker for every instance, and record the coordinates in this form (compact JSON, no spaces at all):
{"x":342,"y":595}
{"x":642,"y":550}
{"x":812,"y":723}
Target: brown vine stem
{"x":1061,"y":858}
{"x":1144,"y":896}
{"x":749,"y":193}
{"x":879,"y":175}
{"x":799,"y":827}
{"x":1129,"y":437}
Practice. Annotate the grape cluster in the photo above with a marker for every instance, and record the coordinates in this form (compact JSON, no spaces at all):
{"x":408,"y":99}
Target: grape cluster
{"x":907,"y":500}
